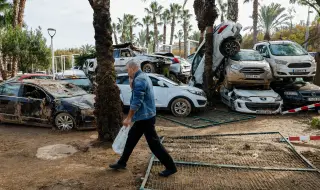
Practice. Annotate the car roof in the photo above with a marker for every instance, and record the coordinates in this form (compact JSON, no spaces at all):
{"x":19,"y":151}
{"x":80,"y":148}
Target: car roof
{"x":248,"y":50}
{"x":149,"y":74}
{"x":277,"y":42}
{"x":33,"y":74}
{"x":40,"y":82}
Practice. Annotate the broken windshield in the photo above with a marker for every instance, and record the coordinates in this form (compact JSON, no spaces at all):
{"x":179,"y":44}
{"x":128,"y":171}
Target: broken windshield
{"x":63,"y":90}
{"x":247,"y":56}
{"x":287,"y":50}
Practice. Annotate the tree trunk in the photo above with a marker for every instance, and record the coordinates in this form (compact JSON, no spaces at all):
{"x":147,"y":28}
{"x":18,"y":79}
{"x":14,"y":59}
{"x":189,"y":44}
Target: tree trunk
{"x":14,"y":66}
{"x":16,"y":9}
{"x":267,"y":36}
{"x":131,"y":34}
{"x":179,"y":47}
{"x":21,"y":12}
{"x":148,"y":37}
{"x":108,"y":110}
{"x":233,"y":9}
{"x":172,"y":28}
{"x":255,"y":21}
{"x":201,"y":37}
{"x":164,"y":36}
{"x":155,"y":36}
{"x":2,"y":67}
{"x":185,"y":37}
{"x":115,"y":37}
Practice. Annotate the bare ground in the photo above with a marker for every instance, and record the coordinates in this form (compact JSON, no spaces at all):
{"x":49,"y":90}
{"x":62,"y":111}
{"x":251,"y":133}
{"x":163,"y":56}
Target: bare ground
{"x":87,"y":169}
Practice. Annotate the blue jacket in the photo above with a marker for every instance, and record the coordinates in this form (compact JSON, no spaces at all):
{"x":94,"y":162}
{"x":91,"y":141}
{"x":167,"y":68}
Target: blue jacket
{"x":142,"y":99}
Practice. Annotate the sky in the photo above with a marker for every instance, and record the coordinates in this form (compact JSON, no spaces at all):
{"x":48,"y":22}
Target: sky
{"x":73,"y":18}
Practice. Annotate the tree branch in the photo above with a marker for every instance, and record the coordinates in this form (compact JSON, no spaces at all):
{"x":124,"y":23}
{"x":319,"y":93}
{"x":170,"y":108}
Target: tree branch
{"x":313,"y":38}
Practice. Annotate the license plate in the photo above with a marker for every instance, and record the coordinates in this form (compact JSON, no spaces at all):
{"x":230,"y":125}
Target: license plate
{"x":264,"y":112}
{"x":299,"y":70}
{"x":253,"y":76}
{"x":314,"y":99}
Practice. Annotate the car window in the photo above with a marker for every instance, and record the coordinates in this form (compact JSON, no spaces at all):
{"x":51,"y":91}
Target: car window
{"x":247,"y":56}
{"x":125,"y":53}
{"x":33,"y":92}
{"x":116,"y":53}
{"x":123,"y":80}
{"x":41,"y":77}
{"x":287,"y":50}
{"x":154,"y":81}
{"x":83,"y":83}
{"x":10,"y":89}
{"x":197,"y":59}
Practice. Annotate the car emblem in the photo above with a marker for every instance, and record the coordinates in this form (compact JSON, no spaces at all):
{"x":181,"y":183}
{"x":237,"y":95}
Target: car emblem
{"x":263,"y":99}
{"x":313,"y":94}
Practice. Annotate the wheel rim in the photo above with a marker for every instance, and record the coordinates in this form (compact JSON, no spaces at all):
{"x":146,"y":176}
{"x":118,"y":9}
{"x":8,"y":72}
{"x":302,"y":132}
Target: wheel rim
{"x":181,"y":108}
{"x":147,"y":69}
{"x":64,"y":122}
{"x":231,"y":48}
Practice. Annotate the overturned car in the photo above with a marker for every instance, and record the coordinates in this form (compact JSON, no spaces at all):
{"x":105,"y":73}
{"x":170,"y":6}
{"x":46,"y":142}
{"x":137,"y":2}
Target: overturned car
{"x":46,"y":103}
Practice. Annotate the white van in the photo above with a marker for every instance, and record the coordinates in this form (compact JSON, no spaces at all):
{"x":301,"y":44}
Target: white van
{"x":287,"y":59}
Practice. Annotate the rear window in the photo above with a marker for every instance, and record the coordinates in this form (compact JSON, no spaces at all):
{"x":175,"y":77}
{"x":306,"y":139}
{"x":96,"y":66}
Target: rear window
{"x":247,"y":56}
{"x":287,"y":50}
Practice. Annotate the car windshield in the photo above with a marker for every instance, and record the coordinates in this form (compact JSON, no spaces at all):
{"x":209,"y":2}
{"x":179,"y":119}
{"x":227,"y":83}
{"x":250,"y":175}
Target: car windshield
{"x":287,"y":50}
{"x":247,"y":56}
{"x":184,"y":62}
{"x":63,"y":90}
{"x":168,"y":81}
{"x":82,"y":83}
{"x":13,"y":79}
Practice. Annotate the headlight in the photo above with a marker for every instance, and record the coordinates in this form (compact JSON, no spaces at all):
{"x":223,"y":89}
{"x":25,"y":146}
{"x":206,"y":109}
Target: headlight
{"x":266,"y":68}
{"x":288,"y":93}
{"x":280,"y":62}
{"x":236,"y":66}
{"x":199,"y":93}
{"x":243,"y":98}
{"x":278,"y":98}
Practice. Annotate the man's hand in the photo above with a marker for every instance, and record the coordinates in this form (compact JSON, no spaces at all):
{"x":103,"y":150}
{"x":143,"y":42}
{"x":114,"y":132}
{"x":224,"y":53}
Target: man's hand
{"x":126,"y":122}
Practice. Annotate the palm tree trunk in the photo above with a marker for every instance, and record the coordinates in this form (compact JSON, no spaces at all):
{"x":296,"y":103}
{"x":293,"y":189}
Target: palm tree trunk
{"x":172,"y":28}
{"x":16,"y":5}
{"x":233,"y":10}
{"x":267,"y":36}
{"x":131,"y":33}
{"x":108,"y":109}
{"x":115,"y":37}
{"x":21,"y":12}
{"x":255,"y":21}
{"x":179,"y":47}
{"x":2,"y":67}
{"x":148,"y":37}
{"x":185,"y":36}
{"x":14,"y":66}
{"x":155,"y":36}
{"x":164,"y":36}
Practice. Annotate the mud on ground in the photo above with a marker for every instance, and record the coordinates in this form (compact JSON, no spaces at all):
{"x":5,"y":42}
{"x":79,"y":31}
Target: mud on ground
{"x":87,"y":168}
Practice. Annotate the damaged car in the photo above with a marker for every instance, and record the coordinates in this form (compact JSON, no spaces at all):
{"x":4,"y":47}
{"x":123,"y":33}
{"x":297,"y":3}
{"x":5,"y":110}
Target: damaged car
{"x":46,"y":103}
{"x":254,"y":101}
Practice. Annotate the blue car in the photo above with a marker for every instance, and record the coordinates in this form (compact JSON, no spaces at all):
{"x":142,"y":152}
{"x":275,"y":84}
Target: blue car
{"x":46,"y":103}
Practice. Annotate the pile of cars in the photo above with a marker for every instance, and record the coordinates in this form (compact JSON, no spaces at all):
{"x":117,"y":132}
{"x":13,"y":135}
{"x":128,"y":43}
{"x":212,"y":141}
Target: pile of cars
{"x":263,"y":80}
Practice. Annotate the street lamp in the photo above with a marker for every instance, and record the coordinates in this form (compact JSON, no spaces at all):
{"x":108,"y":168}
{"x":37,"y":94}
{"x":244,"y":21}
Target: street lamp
{"x":51,"y":33}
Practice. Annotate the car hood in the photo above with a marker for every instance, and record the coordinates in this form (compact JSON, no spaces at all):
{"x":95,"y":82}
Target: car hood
{"x":83,"y":102}
{"x":295,"y":59}
{"x":253,"y":63}
{"x":186,"y":87}
{"x":256,"y":93}
{"x":302,"y":86}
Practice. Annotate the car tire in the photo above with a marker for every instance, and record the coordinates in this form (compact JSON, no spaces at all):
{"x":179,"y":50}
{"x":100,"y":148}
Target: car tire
{"x":181,"y":107}
{"x":229,"y":48}
{"x":149,"y":68}
{"x":173,"y":77}
{"x":64,"y":122}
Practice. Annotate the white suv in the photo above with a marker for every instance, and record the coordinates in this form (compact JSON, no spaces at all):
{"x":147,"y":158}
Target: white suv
{"x":287,"y":59}
{"x":168,"y":94}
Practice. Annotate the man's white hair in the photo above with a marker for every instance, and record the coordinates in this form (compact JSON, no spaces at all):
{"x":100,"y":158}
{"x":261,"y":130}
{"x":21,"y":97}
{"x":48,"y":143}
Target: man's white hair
{"x":133,"y":64}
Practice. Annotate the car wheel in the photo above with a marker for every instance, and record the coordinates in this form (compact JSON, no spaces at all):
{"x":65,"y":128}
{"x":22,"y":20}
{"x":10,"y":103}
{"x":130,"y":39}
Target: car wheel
{"x":64,"y":122}
{"x":229,"y":48}
{"x":173,"y":77}
{"x":148,"y":68}
{"x":181,"y":107}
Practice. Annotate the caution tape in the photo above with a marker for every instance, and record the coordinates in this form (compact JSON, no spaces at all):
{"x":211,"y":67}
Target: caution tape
{"x":301,"y":138}
{"x":303,"y":108}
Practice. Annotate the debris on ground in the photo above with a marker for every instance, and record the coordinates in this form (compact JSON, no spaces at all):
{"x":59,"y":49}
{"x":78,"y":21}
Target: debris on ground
{"x":53,"y":152}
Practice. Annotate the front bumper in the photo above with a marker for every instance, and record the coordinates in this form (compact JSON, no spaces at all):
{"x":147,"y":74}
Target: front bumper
{"x":238,"y":77}
{"x":266,"y":108}
{"x":199,"y":101}
{"x":284,"y":71}
{"x":86,"y":120}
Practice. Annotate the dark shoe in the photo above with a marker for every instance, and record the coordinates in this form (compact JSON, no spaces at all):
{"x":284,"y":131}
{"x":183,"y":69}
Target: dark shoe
{"x":117,"y":166}
{"x":167,"y":173}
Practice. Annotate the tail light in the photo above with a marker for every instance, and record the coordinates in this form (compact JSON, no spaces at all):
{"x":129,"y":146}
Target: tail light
{"x":222,"y":28}
{"x":175,"y":60}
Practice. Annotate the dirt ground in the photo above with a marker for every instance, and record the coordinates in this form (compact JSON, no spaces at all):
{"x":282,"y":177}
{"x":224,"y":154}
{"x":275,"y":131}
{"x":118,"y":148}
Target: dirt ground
{"x":88,"y":168}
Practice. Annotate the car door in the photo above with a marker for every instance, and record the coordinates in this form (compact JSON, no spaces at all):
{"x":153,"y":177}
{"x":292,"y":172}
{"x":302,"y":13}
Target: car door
{"x":160,"y":93}
{"x":9,"y":104}
{"x":35,"y":107}
{"x":125,"y":89}
{"x":125,"y":57}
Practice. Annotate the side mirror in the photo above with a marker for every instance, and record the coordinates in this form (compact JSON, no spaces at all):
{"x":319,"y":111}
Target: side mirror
{"x":161,"y":83}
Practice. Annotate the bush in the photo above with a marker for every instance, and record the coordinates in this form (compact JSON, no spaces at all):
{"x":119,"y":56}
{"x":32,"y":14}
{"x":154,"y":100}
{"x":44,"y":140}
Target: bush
{"x":315,"y":123}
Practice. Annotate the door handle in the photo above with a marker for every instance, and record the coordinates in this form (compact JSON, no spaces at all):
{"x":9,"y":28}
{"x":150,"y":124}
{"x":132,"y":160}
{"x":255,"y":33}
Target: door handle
{"x":122,"y":59}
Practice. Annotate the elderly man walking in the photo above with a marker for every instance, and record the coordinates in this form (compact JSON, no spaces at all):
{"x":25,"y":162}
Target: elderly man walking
{"x":142,"y":113}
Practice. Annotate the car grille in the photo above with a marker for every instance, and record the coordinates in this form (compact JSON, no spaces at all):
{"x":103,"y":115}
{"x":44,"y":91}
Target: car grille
{"x":310,"y":94}
{"x":299,"y":73}
{"x":252,"y":70}
{"x":262,"y":106}
{"x":299,"y":65}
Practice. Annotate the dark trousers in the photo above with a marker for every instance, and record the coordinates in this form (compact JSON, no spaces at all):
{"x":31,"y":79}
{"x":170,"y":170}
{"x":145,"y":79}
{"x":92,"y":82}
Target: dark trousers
{"x":147,"y":128}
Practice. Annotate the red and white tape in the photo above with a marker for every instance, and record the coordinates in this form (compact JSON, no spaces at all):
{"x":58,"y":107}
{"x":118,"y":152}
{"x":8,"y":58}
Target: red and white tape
{"x":302,"y":138}
{"x":303,"y":108}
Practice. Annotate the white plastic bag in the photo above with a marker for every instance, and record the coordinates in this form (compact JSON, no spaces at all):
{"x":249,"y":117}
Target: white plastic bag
{"x":121,"y":139}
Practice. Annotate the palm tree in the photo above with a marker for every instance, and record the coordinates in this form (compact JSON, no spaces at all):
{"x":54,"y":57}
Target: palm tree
{"x":21,"y":12}
{"x":291,"y":13}
{"x":175,"y":11}
{"x":185,"y":25}
{"x":223,"y":9}
{"x":114,"y":30}
{"x":165,"y":18}
{"x":122,"y":28}
{"x":87,"y":49}
{"x":155,"y":11}
{"x":271,"y":18}
{"x":195,"y":36}
{"x":179,"y":35}
{"x":233,"y":10}
{"x":16,"y":4}
{"x":4,"y":9}
{"x":131,"y":22}
{"x":254,"y":18}
{"x":108,"y":109}
{"x":147,"y":20}
{"x":198,"y":7}
{"x":142,"y":38}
